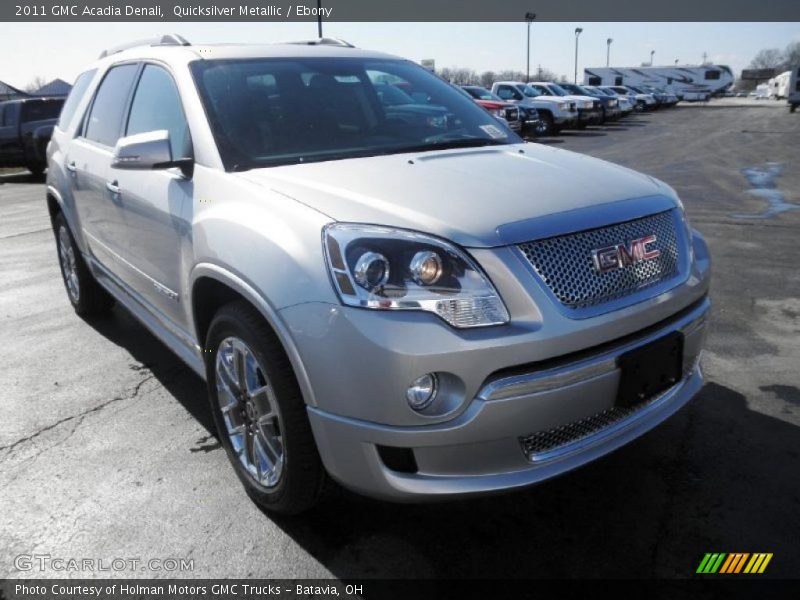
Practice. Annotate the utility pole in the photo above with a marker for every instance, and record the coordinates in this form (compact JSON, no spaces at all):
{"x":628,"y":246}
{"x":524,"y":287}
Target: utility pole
{"x":652,"y":53}
{"x":529,"y":17}
{"x":578,"y":31}
{"x":319,"y":18}
{"x":608,"y":52}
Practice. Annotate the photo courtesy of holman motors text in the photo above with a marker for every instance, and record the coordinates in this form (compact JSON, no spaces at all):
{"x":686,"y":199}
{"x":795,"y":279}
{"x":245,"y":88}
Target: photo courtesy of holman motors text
{"x":414,"y":299}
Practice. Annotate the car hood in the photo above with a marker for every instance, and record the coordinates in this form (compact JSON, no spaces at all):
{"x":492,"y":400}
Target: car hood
{"x":463,"y":195}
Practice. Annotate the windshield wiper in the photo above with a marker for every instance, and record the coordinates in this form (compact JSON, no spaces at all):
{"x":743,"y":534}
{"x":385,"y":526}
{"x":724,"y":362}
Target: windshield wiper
{"x":449,"y":144}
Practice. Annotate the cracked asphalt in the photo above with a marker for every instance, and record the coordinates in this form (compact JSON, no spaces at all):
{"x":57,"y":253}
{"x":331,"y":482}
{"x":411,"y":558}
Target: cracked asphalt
{"x":107,"y":450}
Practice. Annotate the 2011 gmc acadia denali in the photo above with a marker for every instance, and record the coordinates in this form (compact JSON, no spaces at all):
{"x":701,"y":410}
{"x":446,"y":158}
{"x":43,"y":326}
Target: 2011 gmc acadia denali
{"x":406,"y":298}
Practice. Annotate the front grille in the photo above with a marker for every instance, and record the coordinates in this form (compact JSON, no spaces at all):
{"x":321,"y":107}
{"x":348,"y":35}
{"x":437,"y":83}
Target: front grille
{"x":512,"y":113}
{"x":551,"y":439}
{"x":565,"y":264}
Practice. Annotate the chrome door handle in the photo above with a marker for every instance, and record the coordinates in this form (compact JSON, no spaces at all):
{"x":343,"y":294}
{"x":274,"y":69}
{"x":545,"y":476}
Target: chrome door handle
{"x":71,"y":167}
{"x":113,"y":187}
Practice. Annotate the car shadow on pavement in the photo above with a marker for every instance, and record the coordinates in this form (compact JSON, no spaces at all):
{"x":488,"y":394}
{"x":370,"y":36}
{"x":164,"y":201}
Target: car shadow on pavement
{"x":716,"y":477}
{"x":583,"y":133}
{"x":121,"y":328}
{"x":21,"y":177}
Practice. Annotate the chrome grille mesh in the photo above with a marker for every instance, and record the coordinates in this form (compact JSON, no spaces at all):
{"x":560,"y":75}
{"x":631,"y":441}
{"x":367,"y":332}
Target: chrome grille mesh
{"x":565,"y":265}
{"x":550,"y":439}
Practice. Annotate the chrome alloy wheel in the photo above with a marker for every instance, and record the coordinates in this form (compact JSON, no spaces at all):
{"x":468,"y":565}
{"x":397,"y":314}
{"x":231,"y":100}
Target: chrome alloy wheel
{"x":250,"y":411}
{"x":69,"y":266}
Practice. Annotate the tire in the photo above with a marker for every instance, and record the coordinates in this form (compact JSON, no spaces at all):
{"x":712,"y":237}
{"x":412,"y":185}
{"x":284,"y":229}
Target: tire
{"x":265,"y":430}
{"x":84,"y":293}
{"x":545,"y":126}
{"x":792,"y":107}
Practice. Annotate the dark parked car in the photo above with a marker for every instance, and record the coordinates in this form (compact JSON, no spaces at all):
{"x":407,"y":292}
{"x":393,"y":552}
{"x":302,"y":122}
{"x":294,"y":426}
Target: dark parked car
{"x":518,"y":117}
{"x":25,"y":128}
{"x":609,"y":106}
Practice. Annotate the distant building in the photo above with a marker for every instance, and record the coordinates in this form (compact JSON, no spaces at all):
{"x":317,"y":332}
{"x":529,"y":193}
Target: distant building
{"x":9,"y":92}
{"x":57,"y":87}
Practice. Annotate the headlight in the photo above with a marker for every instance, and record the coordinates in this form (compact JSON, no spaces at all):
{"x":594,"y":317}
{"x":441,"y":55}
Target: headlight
{"x":612,"y":103}
{"x":394,"y":269}
{"x":498,"y":112}
{"x":564,"y":106}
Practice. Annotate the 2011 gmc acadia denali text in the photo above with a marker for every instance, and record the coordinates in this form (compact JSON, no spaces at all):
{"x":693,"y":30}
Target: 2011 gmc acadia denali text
{"x":402,"y":296}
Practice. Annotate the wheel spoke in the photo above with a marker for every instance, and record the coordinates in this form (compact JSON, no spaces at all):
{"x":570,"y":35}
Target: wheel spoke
{"x":250,"y":411}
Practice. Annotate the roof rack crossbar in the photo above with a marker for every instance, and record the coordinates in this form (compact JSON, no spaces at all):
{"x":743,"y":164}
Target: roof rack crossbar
{"x":323,"y":41}
{"x":169,"y":39}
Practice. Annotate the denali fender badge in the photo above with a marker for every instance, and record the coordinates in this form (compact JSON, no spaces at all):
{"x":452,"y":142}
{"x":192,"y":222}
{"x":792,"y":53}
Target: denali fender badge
{"x":623,"y":255}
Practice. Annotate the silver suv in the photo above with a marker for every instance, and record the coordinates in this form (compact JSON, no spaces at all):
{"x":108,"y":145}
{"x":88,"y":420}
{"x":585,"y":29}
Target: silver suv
{"x":403,"y":297}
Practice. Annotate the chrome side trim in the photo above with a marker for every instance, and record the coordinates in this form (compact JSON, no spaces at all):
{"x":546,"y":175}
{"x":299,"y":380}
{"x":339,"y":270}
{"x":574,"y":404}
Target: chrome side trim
{"x":170,"y":334}
{"x":160,"y":287}
{"x":541,"y":381}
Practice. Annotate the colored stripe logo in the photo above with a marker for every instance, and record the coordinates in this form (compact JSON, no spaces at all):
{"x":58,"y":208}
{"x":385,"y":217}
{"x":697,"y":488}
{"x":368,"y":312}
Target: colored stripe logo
{"x":734,"y":562}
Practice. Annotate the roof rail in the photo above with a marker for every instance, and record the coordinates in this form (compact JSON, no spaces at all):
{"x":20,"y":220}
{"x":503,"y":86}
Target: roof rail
{"x":169,"y":39}
{"x":323,"y":41}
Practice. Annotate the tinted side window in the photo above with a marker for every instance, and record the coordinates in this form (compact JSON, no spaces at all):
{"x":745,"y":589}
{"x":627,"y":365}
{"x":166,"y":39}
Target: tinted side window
{"x":41,"y":110}
{"x":74,"y":98}
{"x":105,"y":118}
{"x":712,"y":74}
{"x":10,"y":115}
{"x":157,"y":105}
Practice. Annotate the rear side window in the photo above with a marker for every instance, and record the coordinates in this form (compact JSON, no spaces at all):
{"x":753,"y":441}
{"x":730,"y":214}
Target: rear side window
{"x":41,"y":110}
{"x":9,"y":115}
{"x":76,"y":93}
{"x":712,"y":74}
{"x":105,"y":118}
{"x":157,"y":105}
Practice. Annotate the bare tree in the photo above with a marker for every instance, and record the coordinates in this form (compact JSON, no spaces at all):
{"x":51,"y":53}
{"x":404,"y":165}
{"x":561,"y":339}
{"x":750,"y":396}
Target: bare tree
{"x":769,"y":58}
{"x":791,"y":56}
{"x":35,"y":84}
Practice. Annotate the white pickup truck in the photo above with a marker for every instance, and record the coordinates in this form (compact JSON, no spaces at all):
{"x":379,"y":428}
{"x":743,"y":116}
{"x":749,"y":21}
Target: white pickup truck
{"x":555,"y":113}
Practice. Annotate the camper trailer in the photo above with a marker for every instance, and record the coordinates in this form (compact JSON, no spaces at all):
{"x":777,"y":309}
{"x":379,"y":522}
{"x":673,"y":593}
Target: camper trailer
{"x":779,"y":86}
{"x":762,"y":91}
{"x":793,"y":93}
{"x":687,"y":82}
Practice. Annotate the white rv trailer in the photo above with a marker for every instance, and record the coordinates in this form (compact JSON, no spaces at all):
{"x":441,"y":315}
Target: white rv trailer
{"x":762,"y":91}
{"x":779,"y":85}
{"x":793,"y":93}
{"x":686,"y":82}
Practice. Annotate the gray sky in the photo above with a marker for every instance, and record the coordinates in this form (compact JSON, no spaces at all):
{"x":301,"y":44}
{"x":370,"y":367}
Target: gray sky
{"x":63,"y":49}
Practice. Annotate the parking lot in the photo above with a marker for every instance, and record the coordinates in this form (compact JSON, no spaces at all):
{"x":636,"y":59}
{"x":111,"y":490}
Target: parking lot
{"x":107,"y":448}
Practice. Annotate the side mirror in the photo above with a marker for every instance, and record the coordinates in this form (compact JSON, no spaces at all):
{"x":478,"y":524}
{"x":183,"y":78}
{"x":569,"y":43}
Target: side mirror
{"x":147,"y":151}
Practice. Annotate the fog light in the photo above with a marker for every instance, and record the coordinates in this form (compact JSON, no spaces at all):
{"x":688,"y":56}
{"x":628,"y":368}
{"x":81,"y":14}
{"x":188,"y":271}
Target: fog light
{"x":422,"y":392}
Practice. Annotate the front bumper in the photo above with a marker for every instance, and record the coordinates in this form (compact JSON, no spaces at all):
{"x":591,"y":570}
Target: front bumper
{"x":587,"y":116}
{"x":566,"y":120}
{"x":480,"y":451}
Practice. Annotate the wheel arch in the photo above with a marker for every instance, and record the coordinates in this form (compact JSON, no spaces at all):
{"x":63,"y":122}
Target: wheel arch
{"x":213,"y":286}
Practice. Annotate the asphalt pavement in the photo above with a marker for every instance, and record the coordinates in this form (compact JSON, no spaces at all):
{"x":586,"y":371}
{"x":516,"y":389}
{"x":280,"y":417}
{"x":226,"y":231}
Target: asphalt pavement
{"x":107,"y":448}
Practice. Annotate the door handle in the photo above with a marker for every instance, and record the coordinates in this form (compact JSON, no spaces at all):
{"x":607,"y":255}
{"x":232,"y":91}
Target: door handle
{"x":113,"y":187}
{"x":71,"y":167}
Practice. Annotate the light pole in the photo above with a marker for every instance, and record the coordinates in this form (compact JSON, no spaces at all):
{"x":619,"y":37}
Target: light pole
{"x":676,"y":61}
{"x":578,"y":31}
{"x":529,"y":17}
{"x":652,"y":53}
{"x":319,"y":18}
{"x":608,"y":52}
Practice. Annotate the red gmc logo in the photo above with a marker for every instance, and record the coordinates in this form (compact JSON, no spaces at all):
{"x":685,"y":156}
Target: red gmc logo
{"x":623,"y":255}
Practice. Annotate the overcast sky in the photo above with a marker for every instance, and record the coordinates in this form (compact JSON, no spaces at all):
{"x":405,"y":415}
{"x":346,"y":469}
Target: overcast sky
{"x":62,"y":50}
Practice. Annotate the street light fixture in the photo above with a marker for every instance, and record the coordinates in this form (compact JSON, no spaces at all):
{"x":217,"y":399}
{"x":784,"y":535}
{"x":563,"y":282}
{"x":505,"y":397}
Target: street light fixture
{"x":529,"y":17}
{"x":578,"y":31}
{"x":676,"y":61}
{"x":608,"y":52}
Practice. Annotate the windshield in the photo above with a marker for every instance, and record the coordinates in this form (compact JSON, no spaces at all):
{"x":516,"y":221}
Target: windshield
{"x":270,"y":111}
{"x":482,"y":94}
{"x":532,"y":90}
{"x":557,"y":89}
